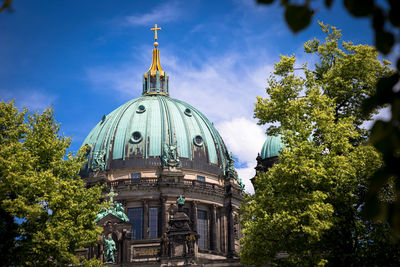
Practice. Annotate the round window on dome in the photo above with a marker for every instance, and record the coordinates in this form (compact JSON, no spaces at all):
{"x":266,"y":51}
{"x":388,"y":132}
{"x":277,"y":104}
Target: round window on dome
{"x":141,"y":109}
{"x":198,"y":140}
{"x":188,"y":112}
{"x":136,"y":137}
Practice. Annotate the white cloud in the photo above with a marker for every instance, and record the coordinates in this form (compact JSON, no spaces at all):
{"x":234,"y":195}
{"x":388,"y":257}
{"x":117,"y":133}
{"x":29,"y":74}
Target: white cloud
{"x":223,"y":88}
{"x":126,"y":81}
{"x":33,"y":99}
{"x":246,"y":174}
{"x":244,"y":138}
{"x":169,"y":11}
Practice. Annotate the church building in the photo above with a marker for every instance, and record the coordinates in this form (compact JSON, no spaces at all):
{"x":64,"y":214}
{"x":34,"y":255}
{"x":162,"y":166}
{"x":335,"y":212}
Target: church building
{"x":171,"y":181}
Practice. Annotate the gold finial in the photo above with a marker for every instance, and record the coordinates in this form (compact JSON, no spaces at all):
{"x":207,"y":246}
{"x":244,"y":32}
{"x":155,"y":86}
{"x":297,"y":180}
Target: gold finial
{"x":155,"y":34}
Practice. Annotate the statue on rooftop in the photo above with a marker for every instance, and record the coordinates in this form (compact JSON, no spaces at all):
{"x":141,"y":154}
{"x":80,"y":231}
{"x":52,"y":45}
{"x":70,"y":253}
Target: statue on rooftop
{"x":110,"y":249}
{"x":115,"y":209}
{"x":170,"y":156}
{"x":98,"y":163}
{"x":230,"y":167}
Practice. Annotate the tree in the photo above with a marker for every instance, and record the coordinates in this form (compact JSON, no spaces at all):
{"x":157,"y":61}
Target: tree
{"x":385,"y":135}
{"x":46,"y":211}
{"x":307,"y":208}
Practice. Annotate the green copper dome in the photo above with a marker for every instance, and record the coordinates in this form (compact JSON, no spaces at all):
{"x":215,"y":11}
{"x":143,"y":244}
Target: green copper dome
{"x":135,"y":134}
{"x":272,"y":146}
{"x":156,"y":130}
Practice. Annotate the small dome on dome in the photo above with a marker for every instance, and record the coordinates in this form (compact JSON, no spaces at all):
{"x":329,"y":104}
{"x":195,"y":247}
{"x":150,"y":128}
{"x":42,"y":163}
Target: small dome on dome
{"x":272,"y":146}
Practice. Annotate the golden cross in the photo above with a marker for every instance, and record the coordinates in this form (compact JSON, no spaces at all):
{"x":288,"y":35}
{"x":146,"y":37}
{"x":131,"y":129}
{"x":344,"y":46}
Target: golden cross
{"x":155,"y":31}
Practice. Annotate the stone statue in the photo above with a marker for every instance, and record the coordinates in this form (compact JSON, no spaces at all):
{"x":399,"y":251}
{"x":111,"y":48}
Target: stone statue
{"x":110,"y":249}
{"x":170,"y":156}
{"x":190,"y":240}
{"x":164,"y":245}
{"x":230,"y":167}
{"x":115,"y":209}
{"x":180,"y":200}
{"x":119,"y":212}
{"x":240,"y":181}
{"x":98,"y":163}
{"x":101,"y":214}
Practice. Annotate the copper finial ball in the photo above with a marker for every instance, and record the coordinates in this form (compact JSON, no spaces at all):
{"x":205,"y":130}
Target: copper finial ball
{"x":155,"y":44}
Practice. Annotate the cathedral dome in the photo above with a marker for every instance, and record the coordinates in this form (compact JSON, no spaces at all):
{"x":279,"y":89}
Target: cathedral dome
{"x":156,"y":130}
{"x":172,"y":174}
{"x":136,"y":133}
{"x":272,"y":146}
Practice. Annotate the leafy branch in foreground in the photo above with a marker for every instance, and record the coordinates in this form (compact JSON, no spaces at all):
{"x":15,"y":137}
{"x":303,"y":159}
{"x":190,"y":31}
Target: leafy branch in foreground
{"x":307,"y":208}
{"x":47,"y":213}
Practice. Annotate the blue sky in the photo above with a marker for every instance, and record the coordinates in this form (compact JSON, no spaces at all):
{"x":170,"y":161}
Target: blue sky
{"x":86,"y":58}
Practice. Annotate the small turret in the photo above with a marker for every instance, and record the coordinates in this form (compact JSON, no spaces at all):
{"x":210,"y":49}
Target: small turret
{"x":155,"y":80}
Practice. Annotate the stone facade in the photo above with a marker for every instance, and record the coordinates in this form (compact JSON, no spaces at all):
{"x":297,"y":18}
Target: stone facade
{"x":216,"y":200}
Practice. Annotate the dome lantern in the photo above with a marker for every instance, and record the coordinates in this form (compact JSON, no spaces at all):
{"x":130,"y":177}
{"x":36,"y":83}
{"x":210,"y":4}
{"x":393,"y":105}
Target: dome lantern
{"x":155,"y":80}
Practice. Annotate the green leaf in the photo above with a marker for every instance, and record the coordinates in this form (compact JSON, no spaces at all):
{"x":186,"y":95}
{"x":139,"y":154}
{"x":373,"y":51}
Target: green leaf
{"x":384,"y":93}
{"x":384,"y":41}
{"x":265,"y":2}
{"x":298,"y":17}
{"x":359,"y":8}
{"x":308,"y":204}
{"x":394,"y":17}
{"x":378,"y":19}
{"x":328,"y":3}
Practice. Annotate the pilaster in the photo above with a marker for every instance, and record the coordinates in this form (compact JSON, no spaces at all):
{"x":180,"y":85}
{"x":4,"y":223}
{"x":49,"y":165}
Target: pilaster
{"x":145,"y":219}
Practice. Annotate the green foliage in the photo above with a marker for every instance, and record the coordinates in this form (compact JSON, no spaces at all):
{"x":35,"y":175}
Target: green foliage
{"x":45,"y":203}
{"x":385,"y":21}
{"x":93,"y":262}
{"x":6,"y":5}
{"x":308,"y":205}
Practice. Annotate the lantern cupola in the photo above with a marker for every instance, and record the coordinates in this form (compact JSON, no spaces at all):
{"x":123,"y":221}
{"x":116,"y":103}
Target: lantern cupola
{"x":155,"y":80}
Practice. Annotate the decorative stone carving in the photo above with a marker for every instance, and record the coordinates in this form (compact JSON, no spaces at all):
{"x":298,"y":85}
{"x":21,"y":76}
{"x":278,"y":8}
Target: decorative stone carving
{"x":170,"y":156}
{"x":98,"y":163}
{"x":117,"y":231}
{"x":115,"y":209}
{"x":230,"y":171}
{"x":259,"y":166}
{"x":164,"y":245}
{"x":240,"y":181}
{"x":180,"y":236}
{"x":180,"y":200}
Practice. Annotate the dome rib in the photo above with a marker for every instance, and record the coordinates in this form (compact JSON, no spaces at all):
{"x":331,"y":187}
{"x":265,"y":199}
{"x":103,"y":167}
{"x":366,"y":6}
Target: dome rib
{"x":163,"y":120}
{"x":181,"y":131}
{"x":121,"y":133}
{"x":164,"y":127}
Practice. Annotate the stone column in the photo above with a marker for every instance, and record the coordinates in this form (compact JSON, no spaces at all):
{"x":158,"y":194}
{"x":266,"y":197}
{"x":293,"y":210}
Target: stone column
{"x":163,"y":217}
{"x":213,"y":227}
{"x":224,"y":231}
{"x":194,"y":216}
{"x":145,"y":219}
{"x":231,"y":237}
{"x":218,"y":230}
